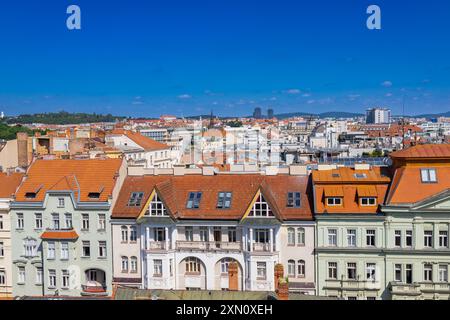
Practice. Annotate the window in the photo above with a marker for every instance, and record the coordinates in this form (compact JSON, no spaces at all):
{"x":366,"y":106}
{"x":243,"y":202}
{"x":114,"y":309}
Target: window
{"x":368,"y":201}
{"x":334,"y":201}
{"x":68,"y":219}
{"x":443,"y":273}
{"x":370,"y":238}
{"x":352,"y":298}
{"x":29,"y":246}
{"x":20,"y":222}
{"x":204,"y":234}
{"x":157,"y":268}
{"x":189,"y":233}
{"x":159,"y":234}
{"x":133,"y":264}
{"x":124,"y":264}
{"x":332,"y":270}
{"x":135,"y":199}
{"x":293,"y":200}
{"x":428,"y":272}
{"x":102,"y":249}
{"x":261,"y":235}
{"x":232,"y":236}
{"x":192,"y":265}
{"x":38,"y":220}
{"x":1,"y":222}
{"x":224,"y":263}
{"x":360,"y":175}
{"x":261,"y":270}
{"x":86,"y":249}
{"x":301,"y":268}
{"x":65,"y":279}
{"x":398,"y":272}
{"x":443,"y":239}
{"x":351,"y":271}
{"x":55,"y":221}
{"x":428,"y":239}
{"x":102,"y":221}
{"x":301,"y":236}
{"x":398,"y":238}
{"x":133,"y":234}
{"x":2,"y":249}
{"x":64,"y":250}
{"x":2,"y":277}
{"x":291,"y":237}
{"x":428,"y":175}
{"x":371,"y":271}
{"x":38,"y":275}
{"x":156,"y":207}
{"x":52,"y":278}
{"x":51,"y":250}
{"x":261,"y":208}
{"x":124,"y":232}
{"x":409,"y":238}
{"x":85,"y":222}
{"x":332,"y":237}
{"x":351,"y":237}
{"x":224,"y":200}
{"x":409,"y":273}
{"x":194,"y":200}
{"x":61,"y":203}
{"x":291,"y":268}
{"x":21,"y":275}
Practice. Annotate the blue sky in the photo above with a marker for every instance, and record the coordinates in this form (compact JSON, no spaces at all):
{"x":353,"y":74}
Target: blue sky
{"x":146,"y":58}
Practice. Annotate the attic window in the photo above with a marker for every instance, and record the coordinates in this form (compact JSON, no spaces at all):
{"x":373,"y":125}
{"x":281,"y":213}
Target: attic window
{"x":293,"y":200}
{"x":336,"y":175}
{"x":30,"y":195}
{"x":261,"y":208}
{"x":194,"y":200}
{"x":428,"y":175}
{"x":360,"y":175}
{"x":224,"y":200}
{"x":94,"y":195}
{"x":135,"y":199}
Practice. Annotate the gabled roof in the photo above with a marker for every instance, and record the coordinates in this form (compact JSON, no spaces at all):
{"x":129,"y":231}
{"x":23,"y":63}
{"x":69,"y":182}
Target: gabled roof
{"x":9,"y":184}
{"x":144,"y":142}
{"x":174,"y":192}
{"x":79,"y":176}
{"x":424,"y":151}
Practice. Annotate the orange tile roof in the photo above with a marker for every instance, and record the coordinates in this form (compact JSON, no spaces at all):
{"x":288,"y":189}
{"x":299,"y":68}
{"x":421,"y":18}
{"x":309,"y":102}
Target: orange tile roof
{"x":59,"y":235}
{"x":146,"y":143}
{"x":347,"y":174}
{"x":174,"y":190}
{"x":79,"y":176}
{"x":9,"y":184}
{"x":334,"y":191}
{"x":367,"y":191}
{"x":424,"y":151}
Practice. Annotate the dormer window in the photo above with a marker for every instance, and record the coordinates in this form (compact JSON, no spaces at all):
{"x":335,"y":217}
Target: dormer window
{"x":94,"y":195}
{"x":360,"y":176}
{"x":334,"y":201}
{"x":194,"y":200}
{"x":156,"y":207}
{"x":224,"y":200}
{"x":293,"y":200}
{"x":368,"y":201}
{"x":135,"y":199}
{"x":261,"y":208}
{"x":30,"y":195}
{"x":428,"y":175}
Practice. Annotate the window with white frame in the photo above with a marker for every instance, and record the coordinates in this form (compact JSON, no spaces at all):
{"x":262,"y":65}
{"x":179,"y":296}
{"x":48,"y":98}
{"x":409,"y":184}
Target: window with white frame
{"x":192,"y":265}
{"x":86,"y":249}
{"x":334,"y":201}
{"x":351,"y":237}
{"x":291,"y":268}
{"x":124,"y":264}
{"x":409,"y":273}
{"x":368,"y":201}
{"x":124,"y":233}
{"x":232,"y":234}
{"x":189,"y":233}
{"x":370,"y":238}
{"x":64,"y":251}
{"x":261,"y":270}
{"x":102,"y":221}
{"x":398,"y":273}
{"x":51,"y":250}
{"x":20,"y":221}
{"x":332,"y":270}
{"x":38,"y":279}
{"x":21,"y":275}
{"x":428,"y":175}
{"x":65,"y":279}
{"x":194,"y":200}
{"x":133,"y":265}
{"x":291,"y":236}
{"x":85,"y":221}
{"x":224,"y":263}
{"x":261,"y":208}
{"x":61,"y":203}
{"x":332,"y":237}
{"x":261,"y":235}
{"x":203,"y":231}
{"x":156,"y":207}
{"x":38,"y":221}
{"x":133,"y":234}
{"x":55,"y":221}
{"x":135,"y":199}
{"x":159,"y":234}
{"x":30,"y":247}
{"x":301,"y":236}
{"x":371,"y":271}
{"x":224,"y":200}
{"x":428,"y":272}
{"x":2,"y":277}
{"x":443,"y":273}
{"x":428,"y":238}
{"x":68,"y":220}
{"x":409,"y":238}
{"x":1,"y":222}
{"x":102,"y":249}
{"x":2,"y":249}
{"x":398,"y":238}
{"x":157,"y":268}
{"x":351,"y":271}
{"x":52,"y":278}
{"x":443,"y":239}
{"x":293,"y":200}
{"x":301,"y":268}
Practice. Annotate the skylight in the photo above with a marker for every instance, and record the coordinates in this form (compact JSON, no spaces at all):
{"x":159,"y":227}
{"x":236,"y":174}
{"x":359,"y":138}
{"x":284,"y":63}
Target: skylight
{"x":135,"y":199}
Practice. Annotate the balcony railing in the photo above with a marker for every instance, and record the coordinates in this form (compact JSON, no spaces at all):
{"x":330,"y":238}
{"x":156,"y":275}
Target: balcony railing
{"x":94,"y":289}
{"x":348,"y":284}
{"x":261,"y":246}
{"x":209,"y":246}
{"x":157,"y":245}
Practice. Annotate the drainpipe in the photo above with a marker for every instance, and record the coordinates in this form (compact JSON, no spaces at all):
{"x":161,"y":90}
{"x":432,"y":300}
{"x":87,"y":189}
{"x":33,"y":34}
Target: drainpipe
{"x":43,"y":269}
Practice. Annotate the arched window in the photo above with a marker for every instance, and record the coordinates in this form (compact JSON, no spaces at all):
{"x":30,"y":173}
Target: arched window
{"x":224,"y":264}
{"x":133,"y":264}
{"x":124,"y":233}
{"x":291,"y":236}
{"x":301,"y":268}
{"x":192,"y":265}
{"x":301,"y":236}
{"x":124,"y":264}
{"x":291,"y":268}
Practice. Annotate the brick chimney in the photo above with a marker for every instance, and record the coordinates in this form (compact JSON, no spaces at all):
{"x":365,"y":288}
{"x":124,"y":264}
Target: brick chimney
{"x":283,"y":290}
{"x":22,"y":149}
{"x":233,"y":276}
{"x":279,"y":274}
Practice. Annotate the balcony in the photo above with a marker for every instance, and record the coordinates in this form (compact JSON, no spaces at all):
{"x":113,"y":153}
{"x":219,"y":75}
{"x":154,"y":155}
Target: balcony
{"x":434,"y":287}
{"x":405,"y":289}
{"x":209,"y":246}
{"x":261,"y":246}
{"x":157,"y":245}
{"x":352,"y":285}
{"x":96,"y":289}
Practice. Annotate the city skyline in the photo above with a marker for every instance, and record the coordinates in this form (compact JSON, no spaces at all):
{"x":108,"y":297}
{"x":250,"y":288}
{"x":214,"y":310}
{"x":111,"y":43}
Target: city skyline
{"x":148,"y":59}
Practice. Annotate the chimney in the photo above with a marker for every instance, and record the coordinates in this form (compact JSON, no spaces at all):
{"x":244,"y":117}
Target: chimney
{"x":22,"y":149}
{"x":233,"y":276}
{"x":283,"y":290}
{"x":279,"y":273}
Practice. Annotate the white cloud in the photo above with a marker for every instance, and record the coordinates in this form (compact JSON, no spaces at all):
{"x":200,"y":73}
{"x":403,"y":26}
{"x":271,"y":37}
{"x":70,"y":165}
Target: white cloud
{"x":353,"y":97}
{"x":293,"y":91}
{"x":389,"y":94}
{"x":306,"y":95}
{"x":310,"y":101}
{"x":387,"y":84}
{"x":184,"y":96}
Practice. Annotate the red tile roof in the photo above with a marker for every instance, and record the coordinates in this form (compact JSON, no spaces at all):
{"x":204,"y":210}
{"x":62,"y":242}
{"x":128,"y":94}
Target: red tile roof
{"x":174,"y":190}
{"x":425,"y":151}
{"x":59,"y":235}
{"x":9,"y":184}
